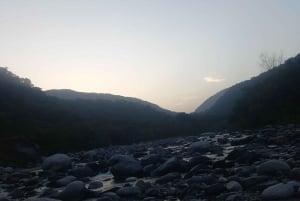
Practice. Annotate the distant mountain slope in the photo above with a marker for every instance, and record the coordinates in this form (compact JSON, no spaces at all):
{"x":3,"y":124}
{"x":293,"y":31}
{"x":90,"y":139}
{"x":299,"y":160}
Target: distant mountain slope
{"x":206,"y":105}
{"x":271,"y":97}
{"x":69,"y":94}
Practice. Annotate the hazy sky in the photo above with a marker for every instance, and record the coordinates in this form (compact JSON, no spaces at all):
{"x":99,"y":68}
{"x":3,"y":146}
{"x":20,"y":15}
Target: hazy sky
{"x":174,"y":53}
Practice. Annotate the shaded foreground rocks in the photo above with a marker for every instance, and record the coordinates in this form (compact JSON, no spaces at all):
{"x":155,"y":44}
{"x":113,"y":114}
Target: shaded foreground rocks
{"x":57,"y":162}
{"x":246,"y":165}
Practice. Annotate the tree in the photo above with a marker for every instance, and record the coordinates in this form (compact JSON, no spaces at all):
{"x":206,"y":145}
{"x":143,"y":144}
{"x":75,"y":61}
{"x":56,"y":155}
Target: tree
{"x":269,"y":61}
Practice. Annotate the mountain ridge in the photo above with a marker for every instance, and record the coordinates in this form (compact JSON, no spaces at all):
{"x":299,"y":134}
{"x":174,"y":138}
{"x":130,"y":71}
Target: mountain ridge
{"x":70,"y":94}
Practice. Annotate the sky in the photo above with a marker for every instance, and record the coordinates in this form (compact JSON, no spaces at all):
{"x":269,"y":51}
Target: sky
{"x":174,"y":53}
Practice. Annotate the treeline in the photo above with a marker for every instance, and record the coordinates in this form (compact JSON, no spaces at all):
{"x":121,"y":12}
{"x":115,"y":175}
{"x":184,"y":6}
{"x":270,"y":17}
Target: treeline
{"x":55,"y":124}
{"x":273,"y":99}
{"x":72,"y":125}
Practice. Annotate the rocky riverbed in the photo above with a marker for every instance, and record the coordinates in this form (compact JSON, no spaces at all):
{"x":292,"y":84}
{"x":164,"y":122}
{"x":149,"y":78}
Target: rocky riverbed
{"x":231,"y":166}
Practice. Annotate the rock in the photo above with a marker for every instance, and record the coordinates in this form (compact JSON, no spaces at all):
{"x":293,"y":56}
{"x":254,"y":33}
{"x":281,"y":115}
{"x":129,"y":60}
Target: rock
{"x":73,"y":191}
{"x":245,"y":171}
{"x":125,"y":166}
{"x":65,"y":181}
{"x":251,"y":182}
{"x":273,"y":167}
{"x":242,"y":155}
{"x":296,"y":173}
{"x":174,"y":164}
{"x":129,"y":191}
{"x":95,"y":184}
{"x":81,"y":172}
{"x":200,"y":147}
{"x":168,"y":178}
{"x":41,"y":199}
{"x":204,"y":160}
{"x":215,"y":189}
{"x":234,"y":186}
{"x":198,"y":169}
{"x":109,"y":196}
{"x":207,"y":179}
{"x":57,"y":162}
{"x":152,"y":159}
{"x":280,"y":191}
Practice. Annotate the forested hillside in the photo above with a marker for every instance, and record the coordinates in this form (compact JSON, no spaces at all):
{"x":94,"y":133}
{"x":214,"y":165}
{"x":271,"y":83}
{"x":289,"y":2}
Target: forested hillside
{"x":272,"y":97}
{"x":64,"y":125}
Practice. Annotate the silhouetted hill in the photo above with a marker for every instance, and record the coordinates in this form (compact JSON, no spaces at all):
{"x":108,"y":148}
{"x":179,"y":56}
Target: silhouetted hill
{"x":210,"y":102}
{"x":271,"y":97}
{"x":69,"y":94}
{"x":26,"y":112}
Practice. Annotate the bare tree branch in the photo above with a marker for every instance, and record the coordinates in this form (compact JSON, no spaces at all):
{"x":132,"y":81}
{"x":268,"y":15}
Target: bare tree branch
{"x":269,"y":61}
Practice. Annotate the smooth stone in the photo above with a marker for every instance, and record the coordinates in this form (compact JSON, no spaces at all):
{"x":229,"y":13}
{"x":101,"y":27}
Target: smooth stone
{"x":200,"y":147}
{"x":234,"y":186}
{"x":41,"y":199}
{"x":81,"y":172}
{"x":125,"y":166}
{"x":215,"y":189}
{"x":152,"y":159}
{"x":95,"y":185}
{"x":109,"y":196}
{"x":128,"y":191}
{"x":174,"y":164}
{"x":168,"y":178}
{"x":73,"y":191}
{"x":280,"y":191}
{"x":273,"y":167}
{"x":204,"y":160}
{"x":251,"y":182}
{"x":57,"y":162}
{"x":65,"y":180}
{"x":206,"y":179}
{"x":296,"y":173}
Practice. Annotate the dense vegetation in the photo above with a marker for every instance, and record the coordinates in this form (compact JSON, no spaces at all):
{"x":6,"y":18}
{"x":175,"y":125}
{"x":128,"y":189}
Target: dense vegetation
{"x":272,"y":97}
{"x":56,"y":124}
{"x":68,"y":125}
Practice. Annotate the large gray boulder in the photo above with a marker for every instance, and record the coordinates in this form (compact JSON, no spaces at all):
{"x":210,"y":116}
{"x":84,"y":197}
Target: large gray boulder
{"x":128,"y":191}
{"x":174,"y":164}
{"x":65,"y":180}
{"x":280,"y":191}
{"x":234,"y":186}
{"x":41,"y":199}
{"x":124,"y":166}
{"x":201,"y":147}
{"x":273,"y":167}
{"x":57,"y":162}
{"x":73,"y":191}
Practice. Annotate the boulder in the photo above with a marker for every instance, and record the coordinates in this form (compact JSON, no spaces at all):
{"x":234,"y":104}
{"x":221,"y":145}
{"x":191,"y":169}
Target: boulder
{"x":174,"y":164}
{"x":201,"y":147}
{"x":280,"y":191}
{"x":296,"y":173}
{"x":204,"y":160}
{"x":234,"y":186}
{"x":95,"y":185}
{"x":273,"y":167}
{"x":168,"y":178}
{"x":152,"y":159}
{"x":206,"y":179}
{"x":73,"y":191}
{"x":124,"y":166}
{"x":65,"y":181}
{"x":57,"y":162}
{"x":81,"y":172}
{"x":41,"y":199}
{"x":128,"y":191}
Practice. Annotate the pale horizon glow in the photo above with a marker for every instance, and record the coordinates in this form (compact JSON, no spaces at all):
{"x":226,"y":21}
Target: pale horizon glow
{"x":172,"y":53}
